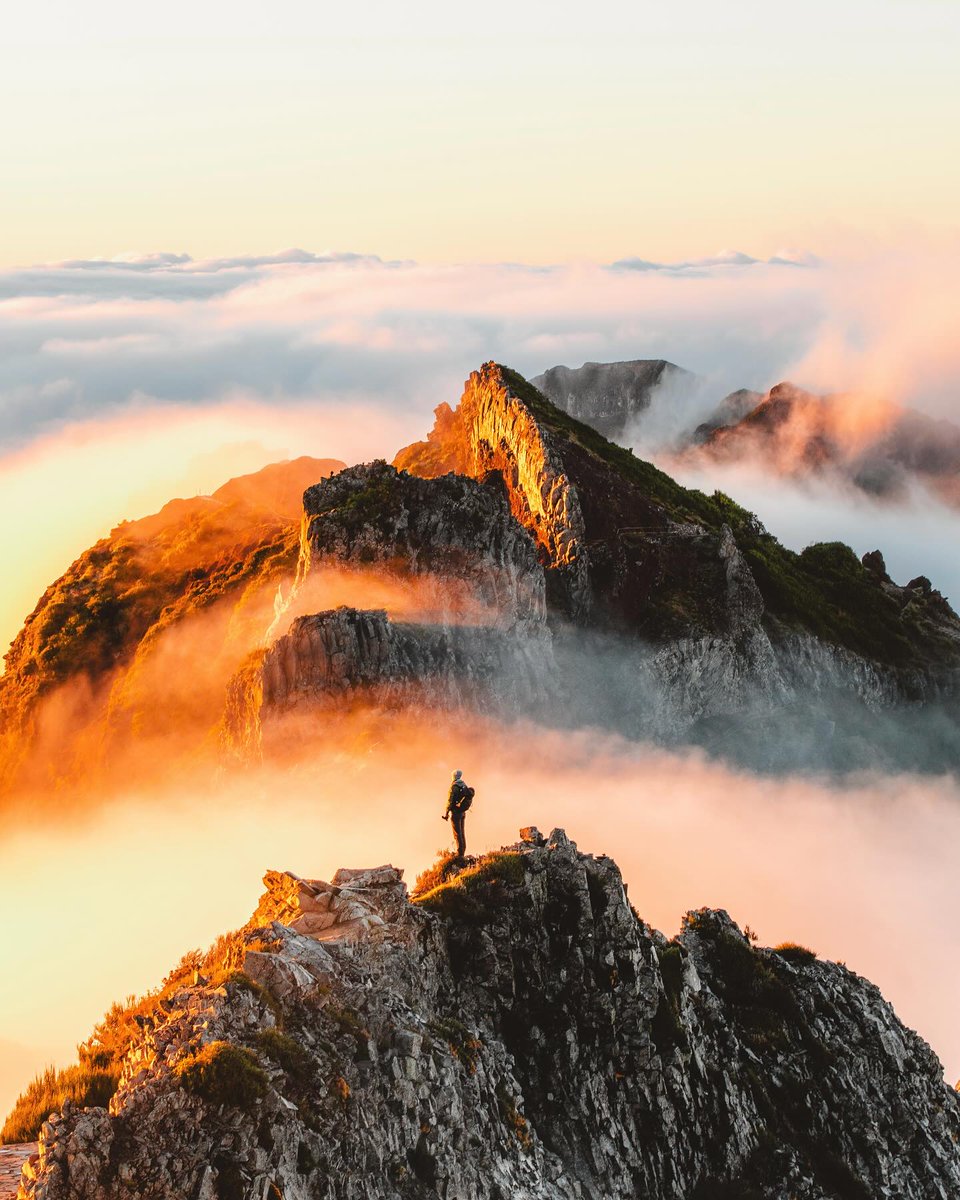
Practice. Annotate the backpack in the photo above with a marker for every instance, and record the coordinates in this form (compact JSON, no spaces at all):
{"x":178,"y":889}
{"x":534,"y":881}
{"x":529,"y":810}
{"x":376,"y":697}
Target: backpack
{"x":466,"y":799}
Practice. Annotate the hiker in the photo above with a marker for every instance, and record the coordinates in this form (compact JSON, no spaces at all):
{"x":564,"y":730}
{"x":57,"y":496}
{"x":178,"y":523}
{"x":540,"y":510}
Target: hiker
{"x":459,"y":800}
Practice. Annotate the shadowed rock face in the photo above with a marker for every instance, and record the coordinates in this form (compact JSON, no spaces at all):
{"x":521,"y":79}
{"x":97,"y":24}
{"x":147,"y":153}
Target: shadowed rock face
{"x":719,"y":630}
{"x":451,"y":528}
{"x":484,"y":644}
{"x":528,"y":550}
{"x":516,"y":1032}
{"x":616,"y":555}
{"x":494,"y":429}
{"x":608,"y":396}
{"x":345,"y":656}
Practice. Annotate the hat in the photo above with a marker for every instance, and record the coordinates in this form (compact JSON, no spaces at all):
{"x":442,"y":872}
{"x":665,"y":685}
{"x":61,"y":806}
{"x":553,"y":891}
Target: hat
{"x":457,"y":774}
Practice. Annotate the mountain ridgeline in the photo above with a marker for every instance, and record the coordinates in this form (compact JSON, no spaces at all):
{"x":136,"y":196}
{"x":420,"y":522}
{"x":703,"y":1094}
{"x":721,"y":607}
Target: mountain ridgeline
{"x":862,"y":442}
{"x":514,"y":562}
{"x":516,"y":1032}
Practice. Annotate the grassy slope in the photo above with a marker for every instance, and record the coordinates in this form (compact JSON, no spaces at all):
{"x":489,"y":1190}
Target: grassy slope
{"x":825,"y":589}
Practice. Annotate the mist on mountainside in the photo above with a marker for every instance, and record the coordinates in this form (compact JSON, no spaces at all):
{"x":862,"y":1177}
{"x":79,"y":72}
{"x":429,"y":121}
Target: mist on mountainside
{"x":858,"y":869}
{"x":145,"y":749}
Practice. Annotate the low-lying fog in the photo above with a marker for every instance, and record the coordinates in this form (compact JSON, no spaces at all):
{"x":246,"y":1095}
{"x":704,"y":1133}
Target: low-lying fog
{"x":104,"y":904}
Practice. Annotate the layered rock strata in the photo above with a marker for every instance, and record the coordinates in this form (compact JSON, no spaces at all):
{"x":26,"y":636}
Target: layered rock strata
{"x":516,"y":1032}
{"x":330,"y":660}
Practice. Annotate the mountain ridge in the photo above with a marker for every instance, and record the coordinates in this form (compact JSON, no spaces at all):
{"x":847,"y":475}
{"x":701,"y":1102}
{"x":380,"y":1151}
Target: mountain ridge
{"x":877,"y":446}
{"x":149,"y":654}
{"x":517,"y":1030}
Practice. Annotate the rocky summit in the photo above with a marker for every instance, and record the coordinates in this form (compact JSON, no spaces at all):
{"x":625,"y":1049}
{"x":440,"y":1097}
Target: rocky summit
{"x":514,"y":1031}
{"x":513,"y":563}
{"x":610,"y":396}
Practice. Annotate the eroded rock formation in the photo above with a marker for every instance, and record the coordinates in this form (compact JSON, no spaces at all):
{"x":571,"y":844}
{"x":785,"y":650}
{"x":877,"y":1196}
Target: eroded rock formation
{"x":516,"y":1032}
{"x":612,"y":397}
{"x":495,"y":429}
{"x":450,"y":529}
{"x":517,"y":555}
{"x":479,"y":639}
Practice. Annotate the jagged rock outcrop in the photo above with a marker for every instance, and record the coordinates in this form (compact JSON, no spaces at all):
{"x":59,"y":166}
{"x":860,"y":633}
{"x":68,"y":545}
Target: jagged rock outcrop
{"x":718,"y":617}
{"x":609,"y":396}
{"x":479,"y":638}
{"x":334,"y":659}
{"x":523,"y":561}
{"x":615,"y":552}
{"x":450,"y":529}
{"x":516,"y":1032}
{"x":495,"y":429}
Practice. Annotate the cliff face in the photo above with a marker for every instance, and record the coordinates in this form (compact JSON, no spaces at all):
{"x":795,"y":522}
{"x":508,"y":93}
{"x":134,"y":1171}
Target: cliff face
{"x":494,"y":429}
{"x":609,"y":396}
{"x":735,"y":619}
{"x":616,"y":552}
{"x":636,"y":551}
{"x":331,"y":661}
{"x":452,"y":553}
{"x":411,"y":529}
{"x":515,"y":560}
{"x":516,"y":1032}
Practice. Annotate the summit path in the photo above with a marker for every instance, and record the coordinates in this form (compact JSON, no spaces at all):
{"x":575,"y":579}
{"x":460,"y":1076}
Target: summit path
{"x":12,"y":1159}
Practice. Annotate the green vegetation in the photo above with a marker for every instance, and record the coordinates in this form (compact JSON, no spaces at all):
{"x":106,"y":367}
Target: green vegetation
{"x":348,"y":1021}
{"x":746,"y":980}
{"x":94,"y":1078}
{"x":472,"y":893}
{"x":671,"y":970}
{"x":825,"y":589}
{"x":222,"y":1073}
{"x":796,"y":954}
{"x":370,"y":504}
{"x":285,"y":1051}
{"x":446,"y":866}
{"x":461,"y":1041}
{"x":238,"y":980}
{"x":83,"y":1084}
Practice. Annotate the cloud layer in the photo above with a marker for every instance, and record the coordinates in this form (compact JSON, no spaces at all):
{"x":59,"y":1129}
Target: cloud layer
{"x":134,"y":367}
{"x":125,"y":382}
{"x":862,"y":872}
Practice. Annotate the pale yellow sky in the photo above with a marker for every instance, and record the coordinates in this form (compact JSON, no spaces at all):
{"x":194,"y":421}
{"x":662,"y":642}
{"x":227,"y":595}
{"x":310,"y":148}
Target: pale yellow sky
{"x":541,"y":133}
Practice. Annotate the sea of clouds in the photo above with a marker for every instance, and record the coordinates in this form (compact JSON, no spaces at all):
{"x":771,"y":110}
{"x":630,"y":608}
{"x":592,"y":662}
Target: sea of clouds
{"x":124,"y":383}
{"x":158,"y":375}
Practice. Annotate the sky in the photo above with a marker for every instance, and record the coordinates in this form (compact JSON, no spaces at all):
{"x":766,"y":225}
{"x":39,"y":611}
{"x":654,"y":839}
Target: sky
{"x":231,"y":234}
{"x":529,"y":131}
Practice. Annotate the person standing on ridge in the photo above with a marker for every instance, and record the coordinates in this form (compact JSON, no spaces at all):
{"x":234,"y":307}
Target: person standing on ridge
{"x":459,"y":800}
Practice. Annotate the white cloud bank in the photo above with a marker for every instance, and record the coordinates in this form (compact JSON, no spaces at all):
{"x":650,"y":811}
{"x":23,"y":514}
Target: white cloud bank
{"x":345,"y":355}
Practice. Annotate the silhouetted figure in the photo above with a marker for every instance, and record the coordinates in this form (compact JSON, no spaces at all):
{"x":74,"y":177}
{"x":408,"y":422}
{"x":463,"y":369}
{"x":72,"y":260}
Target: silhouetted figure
{"x":459,"y":800}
